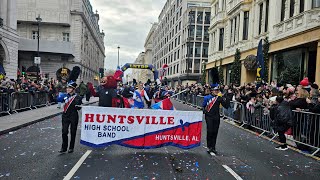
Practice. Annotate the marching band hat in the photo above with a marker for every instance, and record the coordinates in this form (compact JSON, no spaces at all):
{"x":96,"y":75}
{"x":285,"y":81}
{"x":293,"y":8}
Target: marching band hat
{"x":72,"y":85}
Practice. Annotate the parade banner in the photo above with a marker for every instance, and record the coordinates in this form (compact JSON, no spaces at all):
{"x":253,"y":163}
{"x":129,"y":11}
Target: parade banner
{"x":140,"y":128}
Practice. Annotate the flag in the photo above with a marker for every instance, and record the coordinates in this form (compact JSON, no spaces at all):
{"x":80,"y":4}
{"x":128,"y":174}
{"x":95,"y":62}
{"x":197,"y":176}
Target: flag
{"x":165,"y":104}
{"x":163,"y":70}
{"x":127,"y":103}
{"x":260,"y":62}
{"x":117,"y":75}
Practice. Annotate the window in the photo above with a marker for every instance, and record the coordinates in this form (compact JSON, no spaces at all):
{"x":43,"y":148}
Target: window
{"x":205,"y":50}
{"x":34,"y":34}
{"x":206,"y":34}
{"x":292,"y":7}
{"x":267,"y":17}
{"x":197,"y":66}
{"x":191,"y":17}
{"x":221,"y":37}
{"x":235,"y":30}
{"x":200,"y":17}
{"x":246,"y":25}
{"x":207,"y":18}
{"x":198,"y":50}
{"x":315,"y":3}
{"x":301,"y":9}
{"x":231,"y":31}
{"x":283,"y":9}
{"x":260,"y":18}
{"x":177,"y":68}
{"x":178,"y":54}
{"x":66,"y":37}
{"x":199,"y":33}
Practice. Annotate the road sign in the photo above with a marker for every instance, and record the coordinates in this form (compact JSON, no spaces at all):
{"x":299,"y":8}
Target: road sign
{"x":37,"y":60}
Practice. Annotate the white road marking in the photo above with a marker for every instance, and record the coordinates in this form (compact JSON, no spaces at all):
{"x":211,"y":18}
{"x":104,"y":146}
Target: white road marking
{"x":77,"y":166}
{"x":234,"y":174}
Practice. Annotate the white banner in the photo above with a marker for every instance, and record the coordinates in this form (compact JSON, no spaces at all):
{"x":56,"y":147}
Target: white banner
{"x":140,"y":128}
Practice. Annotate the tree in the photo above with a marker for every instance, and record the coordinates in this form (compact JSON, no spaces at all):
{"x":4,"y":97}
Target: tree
{"x":266,"y":46}
{"x":220,"y":71}
{"x":236,"y":68}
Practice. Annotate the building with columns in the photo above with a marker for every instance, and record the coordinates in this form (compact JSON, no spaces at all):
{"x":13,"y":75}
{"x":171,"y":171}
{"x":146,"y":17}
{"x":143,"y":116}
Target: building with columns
{"x":9,"y":39}
{"x":292,"y":27}
{"x":181,"y":39}
{"x":69,"y":36}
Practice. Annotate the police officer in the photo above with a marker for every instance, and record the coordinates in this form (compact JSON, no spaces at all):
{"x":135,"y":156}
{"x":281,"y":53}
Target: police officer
{"x":70,"y":117}
{"x":211,"y":109}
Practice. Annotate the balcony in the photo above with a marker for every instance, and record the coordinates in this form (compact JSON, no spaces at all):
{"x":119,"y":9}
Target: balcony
{"x":218,"y":18}
{"x":233,"y":4}
{"x":59,"y":47}
{"x":299,"y":23}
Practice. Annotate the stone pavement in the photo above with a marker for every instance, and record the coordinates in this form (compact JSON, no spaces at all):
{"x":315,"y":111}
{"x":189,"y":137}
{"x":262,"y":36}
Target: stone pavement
{"x":16,"y":121}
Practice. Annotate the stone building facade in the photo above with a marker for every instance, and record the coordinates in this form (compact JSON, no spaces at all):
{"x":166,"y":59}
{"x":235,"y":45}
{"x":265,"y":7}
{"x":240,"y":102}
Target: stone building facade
{"x":9,"y":38}
{"x":69,"y":36}
{"x":181,"y":39}
{"x":292,"y":27}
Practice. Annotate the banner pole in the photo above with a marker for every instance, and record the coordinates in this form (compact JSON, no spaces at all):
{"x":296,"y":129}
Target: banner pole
{"x":178,"y":93}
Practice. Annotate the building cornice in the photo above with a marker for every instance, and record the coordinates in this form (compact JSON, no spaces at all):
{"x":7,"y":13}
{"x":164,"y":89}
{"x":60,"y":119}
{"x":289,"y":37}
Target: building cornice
{"x":101,"y":47}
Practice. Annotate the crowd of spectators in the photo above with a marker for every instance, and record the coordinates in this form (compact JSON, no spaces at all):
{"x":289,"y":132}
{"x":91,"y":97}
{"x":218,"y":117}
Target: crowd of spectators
{"x":302,"y":97}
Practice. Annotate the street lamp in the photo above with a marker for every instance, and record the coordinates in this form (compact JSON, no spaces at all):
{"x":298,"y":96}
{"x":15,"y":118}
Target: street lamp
{"x":38,"y":54}
{"x":189,"y":47}
{"x":118,"y":55}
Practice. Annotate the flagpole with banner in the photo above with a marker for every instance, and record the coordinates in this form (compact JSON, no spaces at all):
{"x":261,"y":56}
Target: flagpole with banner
{"x":260,"y":62}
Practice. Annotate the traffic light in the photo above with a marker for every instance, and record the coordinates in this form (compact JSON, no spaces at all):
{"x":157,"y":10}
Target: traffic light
{"x":23,"y":70}
{"x":101,"y":72}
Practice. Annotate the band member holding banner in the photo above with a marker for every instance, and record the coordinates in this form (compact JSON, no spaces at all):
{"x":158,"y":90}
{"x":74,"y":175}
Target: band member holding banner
{"x":106,"y":92}
{"x":211,"y":109}
{"x":70,"y":115}
{"x":138,"y":97}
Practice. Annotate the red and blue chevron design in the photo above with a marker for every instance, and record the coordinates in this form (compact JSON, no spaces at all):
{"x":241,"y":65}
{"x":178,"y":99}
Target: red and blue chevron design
{"x":185,"y":136}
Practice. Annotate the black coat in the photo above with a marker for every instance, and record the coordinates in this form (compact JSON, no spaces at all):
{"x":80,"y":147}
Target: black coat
{"x":299,"y":103}
{"x":215,"y":110}
{"x":72,"y":111}
{"x":282,"y":116}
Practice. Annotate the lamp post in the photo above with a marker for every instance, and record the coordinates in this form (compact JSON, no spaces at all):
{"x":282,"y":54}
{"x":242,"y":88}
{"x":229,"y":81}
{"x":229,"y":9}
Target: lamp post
{"x":189,"y":47}
{"x":203,"y":72}
{"x":38,"y":54}
{"x":118,"y":55}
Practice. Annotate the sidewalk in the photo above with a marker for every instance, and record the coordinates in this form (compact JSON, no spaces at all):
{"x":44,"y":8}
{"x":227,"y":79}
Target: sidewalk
{"x":16,"y":121}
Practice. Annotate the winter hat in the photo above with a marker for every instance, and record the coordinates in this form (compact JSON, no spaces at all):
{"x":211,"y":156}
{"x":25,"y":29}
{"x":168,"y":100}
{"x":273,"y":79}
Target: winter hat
{"x":305,"y":82}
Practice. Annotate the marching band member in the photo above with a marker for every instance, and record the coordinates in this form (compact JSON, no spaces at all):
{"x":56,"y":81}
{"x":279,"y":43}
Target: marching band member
{"x":70,"y":116}
{"x":211,"y":106}
{"x":138,"y":97}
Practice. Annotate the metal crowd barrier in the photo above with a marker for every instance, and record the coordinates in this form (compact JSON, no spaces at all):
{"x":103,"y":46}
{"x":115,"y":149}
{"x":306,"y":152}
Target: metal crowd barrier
{"x":4,"y":103}
{"x":17,"y":101}
{"x":40,"y":99}
{"x":306,"y":128}
{"x":20,"y":101}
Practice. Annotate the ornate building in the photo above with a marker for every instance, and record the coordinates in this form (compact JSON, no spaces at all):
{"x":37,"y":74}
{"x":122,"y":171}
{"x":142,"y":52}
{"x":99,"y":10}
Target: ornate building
{"x":292,"y":28}
{"x":69,"y":36}
{"x":9,"y":39}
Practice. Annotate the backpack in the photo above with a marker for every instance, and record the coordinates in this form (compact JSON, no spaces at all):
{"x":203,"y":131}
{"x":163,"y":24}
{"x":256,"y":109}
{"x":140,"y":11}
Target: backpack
{"x":285,"y":115}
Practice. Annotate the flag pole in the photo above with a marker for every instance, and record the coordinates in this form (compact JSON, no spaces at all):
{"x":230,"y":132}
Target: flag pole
{"x":178,"y":93}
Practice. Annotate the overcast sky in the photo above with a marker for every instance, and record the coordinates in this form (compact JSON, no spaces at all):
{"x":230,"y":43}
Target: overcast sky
{"x":126,"y":23}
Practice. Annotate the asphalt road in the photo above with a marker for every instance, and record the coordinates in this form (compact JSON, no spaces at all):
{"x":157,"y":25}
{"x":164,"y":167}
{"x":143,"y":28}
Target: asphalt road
{"x":31,"y":153}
